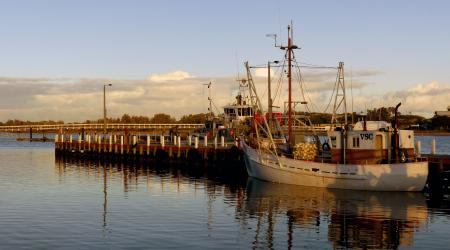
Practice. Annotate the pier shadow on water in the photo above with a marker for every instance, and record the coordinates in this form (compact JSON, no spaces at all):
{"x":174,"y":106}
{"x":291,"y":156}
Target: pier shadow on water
{"x":273,"y":216}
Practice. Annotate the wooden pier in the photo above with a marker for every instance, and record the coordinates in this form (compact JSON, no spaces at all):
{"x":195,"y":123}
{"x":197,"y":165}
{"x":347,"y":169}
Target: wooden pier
{"x":140,"y":148}
{"x":99,"y":127}
{"x":438,"y":173}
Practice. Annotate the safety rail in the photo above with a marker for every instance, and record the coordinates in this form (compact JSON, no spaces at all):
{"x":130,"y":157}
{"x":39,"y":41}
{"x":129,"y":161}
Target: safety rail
{"x":98,"y":126}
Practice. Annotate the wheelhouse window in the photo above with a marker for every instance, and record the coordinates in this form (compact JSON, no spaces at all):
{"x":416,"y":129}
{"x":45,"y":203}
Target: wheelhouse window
{"x":356,"y":142}
{"x":229,"y":112}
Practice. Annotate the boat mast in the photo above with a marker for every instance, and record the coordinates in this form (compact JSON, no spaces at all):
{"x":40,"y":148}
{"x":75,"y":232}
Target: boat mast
{"x":290,"y":51}
{"x":269,"y":95}
{"x":340,"y":97}
{"x":210,"y":100}
{"x":289,"y":48}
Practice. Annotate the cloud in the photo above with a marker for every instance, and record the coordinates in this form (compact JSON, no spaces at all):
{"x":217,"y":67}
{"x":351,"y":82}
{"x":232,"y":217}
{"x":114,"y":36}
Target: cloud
{"x":171,"y":76}
{"x":421,"y":98}
{"x":78,"y":99}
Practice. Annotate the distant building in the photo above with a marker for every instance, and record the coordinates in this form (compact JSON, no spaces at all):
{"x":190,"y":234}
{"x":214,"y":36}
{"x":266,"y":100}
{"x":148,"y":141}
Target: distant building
{"x":443,"y":113}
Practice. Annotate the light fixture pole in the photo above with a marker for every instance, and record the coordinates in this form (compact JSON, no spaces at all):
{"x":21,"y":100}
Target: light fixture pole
{"x":104,"y":106}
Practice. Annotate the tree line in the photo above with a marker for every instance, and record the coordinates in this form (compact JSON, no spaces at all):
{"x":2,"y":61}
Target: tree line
{"x":388,"y":114}
{"x":159,"y":118}
{"x":376,"y":114}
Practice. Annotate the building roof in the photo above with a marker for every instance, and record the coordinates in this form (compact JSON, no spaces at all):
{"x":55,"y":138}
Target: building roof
{"x":443,"y":113}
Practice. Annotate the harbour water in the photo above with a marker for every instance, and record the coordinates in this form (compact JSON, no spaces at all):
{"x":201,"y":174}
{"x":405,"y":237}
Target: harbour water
{"x":48,"y":203}
{"x":442,"y":144}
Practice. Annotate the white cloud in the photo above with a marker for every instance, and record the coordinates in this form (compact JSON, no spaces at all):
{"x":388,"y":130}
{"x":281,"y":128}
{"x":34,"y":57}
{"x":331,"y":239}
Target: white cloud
{"x":171,"y":76}
{"x":262,"y":72}
{"x":421,"y":98}
{"x":180,"y":93}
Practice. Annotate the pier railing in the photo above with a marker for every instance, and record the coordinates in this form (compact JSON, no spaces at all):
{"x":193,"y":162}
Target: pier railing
{"x":98,"y":126}
{"x":139,"y":144}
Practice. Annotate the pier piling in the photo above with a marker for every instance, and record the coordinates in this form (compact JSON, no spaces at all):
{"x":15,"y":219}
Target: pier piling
{"x":433,"y":146}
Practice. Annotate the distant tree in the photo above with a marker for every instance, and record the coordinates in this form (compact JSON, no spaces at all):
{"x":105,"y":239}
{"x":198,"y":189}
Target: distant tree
{"x":381,"y":114}
{"x":126,"y":118}
{"x":162,"y":118}
{"x":405,"y":121}
{"x":140,"y":119}
{"x":440,"y":122}
{"x":193,"y":118}
{"x":320,"y":118}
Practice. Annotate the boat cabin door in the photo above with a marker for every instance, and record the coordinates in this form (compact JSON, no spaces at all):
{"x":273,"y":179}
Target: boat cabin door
{"x":379,"y":146}
{"x":379,"y":142}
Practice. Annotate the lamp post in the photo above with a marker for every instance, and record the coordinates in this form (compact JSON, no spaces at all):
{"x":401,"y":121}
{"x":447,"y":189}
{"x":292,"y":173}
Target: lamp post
{"x":104,"y":106}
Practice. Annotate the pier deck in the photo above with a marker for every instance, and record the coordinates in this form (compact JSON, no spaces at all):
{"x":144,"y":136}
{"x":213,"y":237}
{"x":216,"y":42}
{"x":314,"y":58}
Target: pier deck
{"x":216,"y":152}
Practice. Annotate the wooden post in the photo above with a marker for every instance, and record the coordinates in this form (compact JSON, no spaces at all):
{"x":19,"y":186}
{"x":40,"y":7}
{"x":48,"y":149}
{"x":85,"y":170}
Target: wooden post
{"x":134,"y":144}
{"x":206,"y":141}
{"x":99,"y":141}
{"x":433,"y":146}
{"x":175,"y":140}
{"x":110,"y":143}
{"x":179,"y":141}
{"x":89,"y":142}
{"x":94,"y":141}
{"x":161,"y":138}
{"x":189,"y":140}
{"x":115,"y":144}
{"x":56,"y":141}
{"x":215,"y":142}
{"x":121,"y":144}
{"x":418,"y":149}
{"x":222,"y":141}
{"x":79,"y":142}
{"x":148,"y":144}
{"x":196,"y":142}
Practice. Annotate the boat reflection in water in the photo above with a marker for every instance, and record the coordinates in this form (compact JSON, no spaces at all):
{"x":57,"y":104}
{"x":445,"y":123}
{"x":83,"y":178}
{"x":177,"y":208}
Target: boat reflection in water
{"x":267,"y":215}
{"x":356,"y":219}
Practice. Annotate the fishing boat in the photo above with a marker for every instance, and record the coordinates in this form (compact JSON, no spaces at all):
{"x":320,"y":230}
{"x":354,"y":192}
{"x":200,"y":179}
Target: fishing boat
{"x":240,"y":109}
{"x":368,"y":155}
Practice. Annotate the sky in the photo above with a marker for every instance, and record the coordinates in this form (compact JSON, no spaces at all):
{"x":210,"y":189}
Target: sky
{"x":56,"y":55}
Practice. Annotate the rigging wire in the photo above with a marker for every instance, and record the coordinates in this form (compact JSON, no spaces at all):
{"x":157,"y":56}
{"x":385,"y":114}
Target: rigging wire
{"x":332,"y":93}
{"x":280,"y":84}
{"x":303,"y":89}
{"x":302,"y":84}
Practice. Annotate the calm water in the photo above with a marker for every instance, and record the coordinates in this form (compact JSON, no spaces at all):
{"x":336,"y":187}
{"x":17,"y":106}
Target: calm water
{"x":442,"y":144}
{"x":48,"y":203}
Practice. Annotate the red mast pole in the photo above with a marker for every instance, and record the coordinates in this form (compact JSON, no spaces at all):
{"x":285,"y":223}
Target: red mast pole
{"x":289,"y":89}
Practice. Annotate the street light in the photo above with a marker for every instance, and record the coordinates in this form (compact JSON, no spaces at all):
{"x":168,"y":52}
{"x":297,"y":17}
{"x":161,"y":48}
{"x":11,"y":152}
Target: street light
{"x":104,"y":106}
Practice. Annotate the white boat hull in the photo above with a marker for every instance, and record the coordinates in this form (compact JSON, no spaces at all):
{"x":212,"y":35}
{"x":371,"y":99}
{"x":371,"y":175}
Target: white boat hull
{"x":409,"y":176}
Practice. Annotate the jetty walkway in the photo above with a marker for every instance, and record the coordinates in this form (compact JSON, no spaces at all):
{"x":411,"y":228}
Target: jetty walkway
{"x":99,"y":126}
{"x":146,"y":147}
